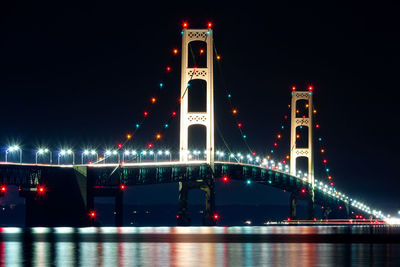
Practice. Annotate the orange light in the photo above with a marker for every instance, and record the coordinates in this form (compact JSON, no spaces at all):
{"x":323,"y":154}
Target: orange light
{"x":234,"y":111}
{"x":315,"y":111}
{"x":268,"y":157}
{"x":307,"y":105}
{"x":287,"y":157}
{"x":330,"y":177}
{"x":175,"y":51}
{"x":185,"y":25}
{"x":128,"y":136}
{"x":297,"y":111}
{"x":201,"y":51}
{"x":158,"y":136}
{"x":322,"y":150}
{"x":279,"y":136}
{"x":209,"y":25}
{"x":100,"y":158}
{"x":153,"y":100}
{"x":218,"y":57}
{"x":297,"y":136}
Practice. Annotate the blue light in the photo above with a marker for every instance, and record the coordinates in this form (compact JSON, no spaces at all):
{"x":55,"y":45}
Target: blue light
{"x":248,"y":182}
{"x":161,"y":85}
{"x":188,"y":85}
{"x":301,"y":126}
{"x":182,"y":32}
{"x":269,"y":181}
{"x":272,"y":151}
{"x":327,"y":169}
{"x":283,"y":127}
{"x":137,"y":125}
{"x":229,"y":95}
{"x":244,"y":136}
{"x":320,"y":139}
{"x":166,"y":125}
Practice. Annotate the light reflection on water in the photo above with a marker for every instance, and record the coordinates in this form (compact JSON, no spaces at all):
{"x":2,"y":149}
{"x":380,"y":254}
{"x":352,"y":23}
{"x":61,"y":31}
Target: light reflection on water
{"x":111,"y":246}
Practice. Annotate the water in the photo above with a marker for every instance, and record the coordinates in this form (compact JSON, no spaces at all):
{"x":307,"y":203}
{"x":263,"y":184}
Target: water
{"x":201,"y":246}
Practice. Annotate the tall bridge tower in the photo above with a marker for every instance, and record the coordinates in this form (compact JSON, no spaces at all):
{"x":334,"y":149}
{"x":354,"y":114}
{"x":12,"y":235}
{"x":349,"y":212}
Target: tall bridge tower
{"x":197,"y":118}
{"x":306,"y":152}
{"x":189,"y":119}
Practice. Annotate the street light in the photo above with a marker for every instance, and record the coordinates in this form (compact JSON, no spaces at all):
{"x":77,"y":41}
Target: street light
{"x":14,"y":148}
{"x":128,"y":153}
{"x":88,"y":152}
{"x":109,"y":153}
{"x":64,"y":152}
{"x":42,"y":151}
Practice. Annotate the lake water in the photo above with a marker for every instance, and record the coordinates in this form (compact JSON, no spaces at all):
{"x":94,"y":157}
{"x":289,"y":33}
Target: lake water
{"x":201,"y":246}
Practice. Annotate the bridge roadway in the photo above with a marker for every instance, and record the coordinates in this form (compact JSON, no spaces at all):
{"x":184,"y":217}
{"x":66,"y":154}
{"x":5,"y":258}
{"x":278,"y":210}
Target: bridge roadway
{"x":69,"y":190}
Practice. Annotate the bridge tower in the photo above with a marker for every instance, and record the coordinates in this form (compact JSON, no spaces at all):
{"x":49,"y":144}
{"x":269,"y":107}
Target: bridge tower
{"x":307,"y":152}
{"x":189,"y":119}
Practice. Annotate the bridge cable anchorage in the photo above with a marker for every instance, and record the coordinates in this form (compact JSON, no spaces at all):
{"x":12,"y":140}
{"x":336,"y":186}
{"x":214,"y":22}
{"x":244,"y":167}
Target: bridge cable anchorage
{"x":228,"y":95}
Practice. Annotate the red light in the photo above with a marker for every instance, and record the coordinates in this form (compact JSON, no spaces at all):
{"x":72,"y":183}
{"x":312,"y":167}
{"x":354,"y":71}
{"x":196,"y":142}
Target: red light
{"x":150,"y":145}
{"x":92,"y":214}
{"x":3,"y":189}
{"x":40,"y":189}
{"x":325,"y":161}
{"x":254,"y":153}
{"x":275,"y":144}
{"x":216,"y":216}
{"x":284,"y":190}
{"x":332,"y":183}
{"x":173,"y":113}
{"x":285,"y":117}
{"x":168,"y":68}
{"x":185,"y":25}
{"x":225,"y":179}
{"x":288,"y":219}
{"x":317,"y":126}
{"x":293,"y":88}
{"x":315,"y":219}
{"x":340,"y":207}
{"x":145,"y":113}
{"x":284,"y":161}
{"x":122,"y":186}
{"x":322,"y":207}
{"x":90,"y":162}
{"x":310,"y":88}
{"x":303,"y":190}
{"x":209,"y":25}
{"x":119,"y":145}
{"x":239,"y":125}
{"x":177,"y":216}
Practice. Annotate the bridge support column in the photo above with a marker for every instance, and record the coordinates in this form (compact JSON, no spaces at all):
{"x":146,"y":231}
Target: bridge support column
{"x":294,"y":198}
{"x":209,"y":219}
{"x":119,"y":208}
{"x":292,"y":203}
{"x":183,"y":218}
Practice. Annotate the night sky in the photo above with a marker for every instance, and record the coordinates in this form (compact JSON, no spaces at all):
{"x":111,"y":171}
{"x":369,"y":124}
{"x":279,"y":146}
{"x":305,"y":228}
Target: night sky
{"x":81,"y":74}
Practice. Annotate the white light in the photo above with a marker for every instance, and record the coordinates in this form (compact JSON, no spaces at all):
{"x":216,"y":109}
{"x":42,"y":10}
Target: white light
{"x":108,"y":152}
{"x":151,"y":153}
{"x":144,"y":152}
{"x":62,"y":152}
{"x":93,"y":152}
{"x":134,"y":152}
{"x":166,"y":152}
{"x":114,"y":152}
{"x":127,"y":152}
{"x":159,"y":152}
{"x":69,"y":151}
{"x":86,"y":152}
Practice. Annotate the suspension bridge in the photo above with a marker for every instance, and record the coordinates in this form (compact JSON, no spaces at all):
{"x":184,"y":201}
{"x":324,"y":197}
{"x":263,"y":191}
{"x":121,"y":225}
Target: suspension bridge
{"x":61,"y":193}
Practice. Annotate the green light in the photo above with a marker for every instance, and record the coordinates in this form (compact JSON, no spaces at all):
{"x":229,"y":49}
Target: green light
{"x":166,"y":125}
{"x":283,"y":127}
{"x":270,"y":182}
{"x":137,"y":125}
{"x":320,"y":139}
{"x":229,"y":95}
{"x":244,"y":136}
{"x":248,"y":182}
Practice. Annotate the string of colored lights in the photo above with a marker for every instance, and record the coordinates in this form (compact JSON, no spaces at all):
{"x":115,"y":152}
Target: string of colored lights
{"x":234,"y":110}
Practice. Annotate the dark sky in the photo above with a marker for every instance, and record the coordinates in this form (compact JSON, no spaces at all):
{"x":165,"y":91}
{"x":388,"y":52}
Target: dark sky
{"x":82,"y":74}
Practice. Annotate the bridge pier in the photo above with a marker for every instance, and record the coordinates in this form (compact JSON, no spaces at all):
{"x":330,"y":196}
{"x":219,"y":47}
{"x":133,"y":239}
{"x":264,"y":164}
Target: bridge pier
{"x":294,"y":198}
{"x":61,"y":199}
{"x":183,"y":218}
